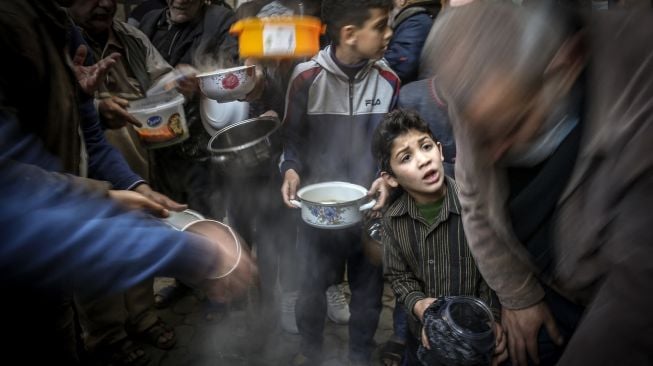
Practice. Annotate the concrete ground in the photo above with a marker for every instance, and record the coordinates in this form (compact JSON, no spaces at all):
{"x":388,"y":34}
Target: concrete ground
{"x":206,"y":338}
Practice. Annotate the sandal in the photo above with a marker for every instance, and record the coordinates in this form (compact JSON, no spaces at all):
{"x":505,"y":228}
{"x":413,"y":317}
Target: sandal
{"x":169,"y":294}
{"x":392,"y":353}
{"x":160,"y":335}
{"x":124,"y":353}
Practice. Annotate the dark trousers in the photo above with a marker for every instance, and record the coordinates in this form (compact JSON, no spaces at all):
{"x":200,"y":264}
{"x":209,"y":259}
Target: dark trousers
{"x":324,"y":254}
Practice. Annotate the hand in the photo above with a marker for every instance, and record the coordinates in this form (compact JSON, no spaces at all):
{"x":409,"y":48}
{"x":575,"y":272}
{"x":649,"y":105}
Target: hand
{"x":381,"y":190}
{"x":425,"y":339}
{"x":421,"y":306}
{"x":522,"y":327}
{"x":418,"y":309}
{"x":90,"y":77}
{"x":240,"y":279}
{"x":500,"y":349}
{"x":159,"y":198}
{"x":114,"y":113}
{"x":131,"y":200}
{"x":289,"y":187}
{"x":187,"y":84}
{"x":270,"y":113}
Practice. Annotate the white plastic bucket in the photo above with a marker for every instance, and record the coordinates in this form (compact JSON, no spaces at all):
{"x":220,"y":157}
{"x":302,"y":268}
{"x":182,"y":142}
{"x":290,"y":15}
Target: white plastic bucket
{"x":162,"y":118}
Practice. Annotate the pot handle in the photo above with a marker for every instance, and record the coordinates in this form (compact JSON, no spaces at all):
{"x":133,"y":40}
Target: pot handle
{"x":367,"y":206}
{"x":296,"y":203}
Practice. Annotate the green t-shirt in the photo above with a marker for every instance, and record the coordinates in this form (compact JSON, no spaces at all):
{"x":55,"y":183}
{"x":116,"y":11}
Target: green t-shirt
{"x":430,"y":211}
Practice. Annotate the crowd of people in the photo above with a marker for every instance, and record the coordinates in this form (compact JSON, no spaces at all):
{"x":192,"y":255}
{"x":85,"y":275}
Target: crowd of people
{"x":507,"y":145}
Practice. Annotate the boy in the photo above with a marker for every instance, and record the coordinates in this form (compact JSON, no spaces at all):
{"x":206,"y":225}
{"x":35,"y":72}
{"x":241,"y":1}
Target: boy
{"x":425,"y":250}
{"x":333,"y":104}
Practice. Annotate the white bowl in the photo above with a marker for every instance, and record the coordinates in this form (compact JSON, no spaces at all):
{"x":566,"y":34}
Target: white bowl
{"x":228,"y":84}
{"x":216,"y":116}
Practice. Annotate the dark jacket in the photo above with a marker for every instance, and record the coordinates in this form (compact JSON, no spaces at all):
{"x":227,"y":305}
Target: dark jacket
{"x":411,"y":26}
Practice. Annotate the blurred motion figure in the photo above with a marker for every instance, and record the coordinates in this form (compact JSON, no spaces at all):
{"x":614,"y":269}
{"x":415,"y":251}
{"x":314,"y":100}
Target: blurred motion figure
{"x":553,"y":121}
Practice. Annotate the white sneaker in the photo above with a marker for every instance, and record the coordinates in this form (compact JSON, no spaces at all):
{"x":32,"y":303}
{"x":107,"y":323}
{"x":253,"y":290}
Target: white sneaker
{"x":337,"y":307}
{"x":288,"y":321}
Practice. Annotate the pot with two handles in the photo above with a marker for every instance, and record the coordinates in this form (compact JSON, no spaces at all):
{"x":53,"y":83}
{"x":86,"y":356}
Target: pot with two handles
{"x":243,"y":147}
{"x":333,"y":205}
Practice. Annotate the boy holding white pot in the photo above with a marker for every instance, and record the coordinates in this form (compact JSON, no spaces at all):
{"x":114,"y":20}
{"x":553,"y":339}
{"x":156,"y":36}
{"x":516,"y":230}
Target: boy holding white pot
{"x":333,"y":104}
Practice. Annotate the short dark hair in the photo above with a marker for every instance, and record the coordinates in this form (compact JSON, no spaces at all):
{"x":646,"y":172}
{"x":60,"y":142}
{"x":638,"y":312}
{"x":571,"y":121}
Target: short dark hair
{"x":340,"y":13}
{"x":393,"y":125}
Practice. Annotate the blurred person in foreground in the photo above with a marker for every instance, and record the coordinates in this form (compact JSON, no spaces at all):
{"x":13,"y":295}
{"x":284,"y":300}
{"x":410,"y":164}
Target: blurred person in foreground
{"x":115,"y":325}
{"x":59,"y":236}
{"x":553,"y":122}
{"x":46,"y":126}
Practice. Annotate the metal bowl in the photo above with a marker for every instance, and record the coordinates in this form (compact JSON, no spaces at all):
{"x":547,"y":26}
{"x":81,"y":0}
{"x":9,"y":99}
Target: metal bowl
{"x":243,"y":146}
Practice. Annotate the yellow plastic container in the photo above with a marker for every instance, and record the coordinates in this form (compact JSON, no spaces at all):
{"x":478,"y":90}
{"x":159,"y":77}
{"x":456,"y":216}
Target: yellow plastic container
{"x":278,"y":37}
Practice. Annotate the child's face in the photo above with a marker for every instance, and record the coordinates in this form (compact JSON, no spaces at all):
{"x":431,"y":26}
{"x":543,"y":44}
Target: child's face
{"x":372,"y":38}
{"x":416,"y":163}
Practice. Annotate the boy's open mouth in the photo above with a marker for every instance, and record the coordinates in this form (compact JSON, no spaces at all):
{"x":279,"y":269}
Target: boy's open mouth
{"x":431,"y":176}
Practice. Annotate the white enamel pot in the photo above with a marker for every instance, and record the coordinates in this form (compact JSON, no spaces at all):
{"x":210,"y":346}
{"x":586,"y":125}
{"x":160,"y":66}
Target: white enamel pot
{"x":333,"y":205}
{"x":180,"y":220}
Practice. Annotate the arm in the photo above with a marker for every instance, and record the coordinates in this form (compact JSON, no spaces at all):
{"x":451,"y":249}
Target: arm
{"x":104,"y":161}
{"x":293,"y":127}
{"x":404,"y":284}
{"x":523,"y":311}
{"x":512,"y":280}
{"x":85,"y":242}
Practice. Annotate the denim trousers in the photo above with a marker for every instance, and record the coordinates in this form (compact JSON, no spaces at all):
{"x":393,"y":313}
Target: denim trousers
{"x":324,"y":255}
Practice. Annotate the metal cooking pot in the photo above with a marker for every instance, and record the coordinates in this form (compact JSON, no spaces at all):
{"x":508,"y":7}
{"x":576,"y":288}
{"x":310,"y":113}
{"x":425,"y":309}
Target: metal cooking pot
{"x":332,"y":205}
{"x":244,"y":145}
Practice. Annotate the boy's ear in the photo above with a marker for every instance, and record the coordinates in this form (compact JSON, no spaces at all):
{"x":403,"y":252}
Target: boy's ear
{"x":389,"y":179}
{"x":348,"y":35}
{"x":439,"y":145}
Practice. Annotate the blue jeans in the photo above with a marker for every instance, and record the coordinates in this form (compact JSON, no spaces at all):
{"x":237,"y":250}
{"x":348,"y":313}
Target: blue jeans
{"x":324,"y":254}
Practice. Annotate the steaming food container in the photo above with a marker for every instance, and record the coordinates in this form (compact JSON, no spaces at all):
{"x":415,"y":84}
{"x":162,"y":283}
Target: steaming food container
{"x":243,"y":147}
{"x":227,"y":85}
{"x":162,"y":118}
{"x":333,"y":205}
{"x":278,"y":37}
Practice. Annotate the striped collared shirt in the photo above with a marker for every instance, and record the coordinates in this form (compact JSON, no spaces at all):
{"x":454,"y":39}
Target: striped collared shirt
{"x":422,"y":260}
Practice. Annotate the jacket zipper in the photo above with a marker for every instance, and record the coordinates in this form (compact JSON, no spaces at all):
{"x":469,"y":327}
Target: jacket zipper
{"x":351,"y":98}
{"x":174,"y":39}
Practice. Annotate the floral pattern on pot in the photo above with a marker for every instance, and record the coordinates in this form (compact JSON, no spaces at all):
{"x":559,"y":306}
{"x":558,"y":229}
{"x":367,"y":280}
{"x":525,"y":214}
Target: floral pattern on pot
{"x":328,"y":215}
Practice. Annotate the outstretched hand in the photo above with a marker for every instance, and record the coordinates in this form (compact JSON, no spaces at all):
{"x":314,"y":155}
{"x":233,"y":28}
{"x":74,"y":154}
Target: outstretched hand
{"x":90,"y":77}
{"x":522,"y":327}
{"x":160,"y":198}
{"x":381,"y":190}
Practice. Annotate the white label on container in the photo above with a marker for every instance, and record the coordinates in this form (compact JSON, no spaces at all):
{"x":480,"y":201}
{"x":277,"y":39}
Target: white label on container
{"x":279,"y":39}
